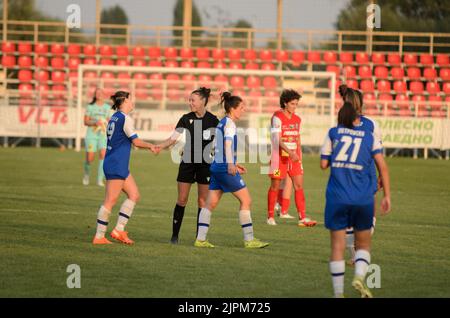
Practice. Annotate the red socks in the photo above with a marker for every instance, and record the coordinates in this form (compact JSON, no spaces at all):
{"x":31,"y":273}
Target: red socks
{"x":285,"y":205}
{"x":271,"y":200}
{"x":300,"y":203}
{"x":280,"y":196}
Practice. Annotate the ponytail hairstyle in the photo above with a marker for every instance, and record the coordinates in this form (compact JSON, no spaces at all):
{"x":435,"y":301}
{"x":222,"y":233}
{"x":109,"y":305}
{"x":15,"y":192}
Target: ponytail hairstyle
{"x":229,"y":101}
{"x":351,"y":96}
{"x":94,"y":99}
{"x":287,"y":95}
{"x":204,"y":93}
{"x":347,"y":115}
{"x":118,"y":98}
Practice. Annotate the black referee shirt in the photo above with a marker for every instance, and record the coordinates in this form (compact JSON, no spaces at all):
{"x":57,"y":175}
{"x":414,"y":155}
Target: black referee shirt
{"x":199,"y":137}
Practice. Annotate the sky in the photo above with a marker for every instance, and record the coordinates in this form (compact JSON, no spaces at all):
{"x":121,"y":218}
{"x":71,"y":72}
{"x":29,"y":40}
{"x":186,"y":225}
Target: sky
{"x":298,"y":14}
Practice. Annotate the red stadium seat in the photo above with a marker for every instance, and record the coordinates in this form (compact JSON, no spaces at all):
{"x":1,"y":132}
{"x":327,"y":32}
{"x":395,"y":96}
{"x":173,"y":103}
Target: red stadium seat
{"x":59,"y":91}
{"x":444,"y":73}
{"x":89,"y":50}
{"x":73,"y":49}
{"x":238,"y":92}
{"x":362,"y":58}
{"x":73,"y":62}
{"x":221,"y":78}
{"x":446,"y":88}
{"x":371,"y":110}
{"x":346,"y":57}
{"x":203,"y":64}
{"x":122,"y":62}
{"x":413,"y":73}
{"x":270,"y":82}
{"x":349,"y":71}
{"x":43,"y":90}
{"x":218,"y":54}
{"x":410,"y":59}
{"x":155,"y":63}
{"x":364,"y":71}
{"x":220,"y":65}
{"x":402,"y":101}
{"x":189,"y":82}
{"x":265,"y":55}
{"x":330,"y":57}
{"x":24,"y":61}
{"x":381,"y":72}
{"x":173,"y":95}
{"x":122,"y":51}
{"x":420,"y":104}
{"x":58,"y":76}
{"x":138,"y":51}
{"x":335,"y":69}
{"x":237,"y":81}
{"x":430,"y":73}
{"x":416,"y":87}
{"x":268,"y":67}
{"x":41,"y":76}
{"x":90,"y":75}
{"x":298,"y":57}
{"x":25,"y":89}
{"x":41,"y":48}
{"x":314,"y":57}
{"x":202,"y":53}
{"x":57,"y":49}
{"x":394,"y":58}
{"x":385,"y":101}
{"x":173,"y":80}
{"x":400,"y":87}
{"x":8,"y":61}
{"x":435,"y":101}
{"x":57,"y":62}
{"x":106,"y":62}
{"x":204,"y":80}
{"x":186,"y":53}
{"x":397,"y":72}
{"x":433,"y":88}
{"x":442,"y":59}
{"x":250,"y":55}
{"x":253,"y":100}
{"x":90,"y":61}
{"x":156,"y":79}
{"x":282,"y":56}
{"x":378,"y":58}
{"x":171,"y":63}
{"x":154,"y":52}
{"x":271,"y":101}
{"x":352,"y":83}
{"x":234,"y":54}
{"x":8,"y":47}
{"x":253,"y":82}
{"x":235,"y":66}
{"x":252,"y":66}
{"x":124,"y":76}
{"x":41,"y":61}
{"x":187,"y":64}
{"x":106,"y":50}
{"x":383,"y":86}
{"x":426,"y":59}
{"x":139,"y":62}
{"x":367,"y":86}
{"x":24,"y":47}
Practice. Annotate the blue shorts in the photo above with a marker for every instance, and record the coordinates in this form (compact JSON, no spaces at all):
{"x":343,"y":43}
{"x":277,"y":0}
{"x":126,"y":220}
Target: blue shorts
{"x":339,"y":216}
{"x":115,"y":171}
{"x":226,"y":182}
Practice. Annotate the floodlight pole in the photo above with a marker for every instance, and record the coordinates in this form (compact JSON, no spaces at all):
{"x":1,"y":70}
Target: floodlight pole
{"x":5,"y":20}
{"x":98,"y":12}
{"x":187,"y":23}
{"x":279,"y":24}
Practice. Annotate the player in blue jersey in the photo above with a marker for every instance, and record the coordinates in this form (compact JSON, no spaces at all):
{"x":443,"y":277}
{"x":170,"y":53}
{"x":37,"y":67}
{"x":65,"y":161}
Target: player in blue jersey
{"x":121,"y":135}
{"x":355,"y":98}
{"x":349,"y":197}
{"x":226,"y":176}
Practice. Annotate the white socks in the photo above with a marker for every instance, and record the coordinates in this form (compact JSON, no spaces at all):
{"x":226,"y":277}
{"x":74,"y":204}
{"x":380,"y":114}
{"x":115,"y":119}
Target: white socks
{"x":362,"y":262}
{"x":102,"y":222}
{"x":125,"y":213}
{"x":337,"y":270}
{"x":245,"y":220}
{"x":350,"y":239}
{"x":203,"y":224}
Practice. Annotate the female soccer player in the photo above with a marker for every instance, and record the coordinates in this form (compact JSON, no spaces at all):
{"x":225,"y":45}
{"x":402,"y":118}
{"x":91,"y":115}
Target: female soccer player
{"x":355,"y":98}
{"x":121,"y":135}
{"x":96,"y":117}
{"x":199,"y":126}
{"x":287,"y":156}
{"x":349,"y":197}
{"x":226,"y":176}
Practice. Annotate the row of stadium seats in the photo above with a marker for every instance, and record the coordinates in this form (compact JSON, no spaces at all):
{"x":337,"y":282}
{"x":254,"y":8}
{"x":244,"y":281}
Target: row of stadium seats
{"x":296,"y":57}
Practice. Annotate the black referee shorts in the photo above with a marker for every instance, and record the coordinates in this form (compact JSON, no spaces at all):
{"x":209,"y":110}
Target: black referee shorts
{"x":194,"y":172}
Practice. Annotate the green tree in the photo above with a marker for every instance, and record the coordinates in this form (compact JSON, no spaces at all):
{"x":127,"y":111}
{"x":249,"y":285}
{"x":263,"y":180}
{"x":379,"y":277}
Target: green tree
{"x":240,"y":37}
{"x":114,"y":15}
{"x":178,"y":21}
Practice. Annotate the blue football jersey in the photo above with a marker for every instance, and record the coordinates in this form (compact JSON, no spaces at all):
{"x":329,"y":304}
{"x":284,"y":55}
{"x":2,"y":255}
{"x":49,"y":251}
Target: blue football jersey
{"x":120,"y":133}
{"x":225,"y":130}
{"x":350,"y":152}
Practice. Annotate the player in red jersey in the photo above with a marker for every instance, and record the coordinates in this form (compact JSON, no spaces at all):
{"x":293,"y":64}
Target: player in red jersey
{"x":287,"y":156}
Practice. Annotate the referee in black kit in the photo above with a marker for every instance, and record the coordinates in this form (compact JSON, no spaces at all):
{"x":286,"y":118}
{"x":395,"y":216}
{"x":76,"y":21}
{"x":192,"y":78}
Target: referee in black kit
{"x":199,"y":126}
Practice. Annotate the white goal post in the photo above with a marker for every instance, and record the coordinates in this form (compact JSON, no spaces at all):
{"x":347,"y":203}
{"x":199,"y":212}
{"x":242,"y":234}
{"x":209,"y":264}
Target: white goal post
{"x":318,"y":90}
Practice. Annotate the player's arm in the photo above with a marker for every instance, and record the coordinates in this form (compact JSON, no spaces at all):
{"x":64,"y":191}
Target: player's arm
{"x":325,"y":152}
{"x":384,"y":174}
{"x":276,"y":139}
{"x":90,"y":122}
{"x":174,"y":137}
{"x":128,"y":128}
{"x":143,"y":144}
{"x":229,"y":132}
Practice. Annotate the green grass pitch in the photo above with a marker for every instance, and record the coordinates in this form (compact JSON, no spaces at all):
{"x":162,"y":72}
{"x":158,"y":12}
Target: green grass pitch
{"x":48,"y":221}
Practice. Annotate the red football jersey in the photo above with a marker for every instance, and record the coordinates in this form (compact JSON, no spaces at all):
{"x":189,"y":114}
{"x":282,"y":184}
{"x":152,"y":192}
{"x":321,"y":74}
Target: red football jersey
{"x":289,"y":129}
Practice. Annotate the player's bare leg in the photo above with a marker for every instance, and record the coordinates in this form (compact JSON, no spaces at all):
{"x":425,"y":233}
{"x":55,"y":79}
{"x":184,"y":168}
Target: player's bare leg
{"x":126,"y":210}
{"x":362,"y":262}
{"x":337,"y":263}
{"x":202,"y":196}
{"x":286,"y":199}
{"x":184,"y":189}
{"x":90,"y":156}
{"x":204,"y":218}
{"x":297,"y":181}
{"x":272,"y":199}
{"x":100,"y":174}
